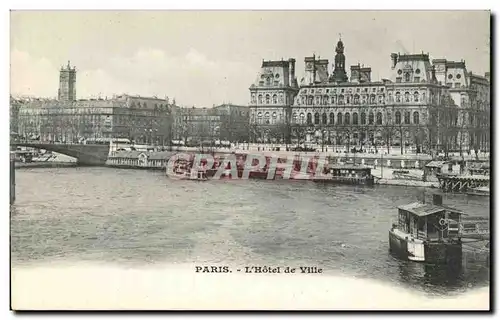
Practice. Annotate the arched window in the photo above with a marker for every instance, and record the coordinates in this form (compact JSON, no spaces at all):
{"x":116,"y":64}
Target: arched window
{"x":416,"y":117}
{"x":371,"y":118}
{"x":309,"y":118}
{"x":347,"y":118}
{"x":407,"y":97}
{"x":355,"y":118}
{"x":398,"y":117}
{"x":325,"y":100}
{"x":310,"y":100}
{"x":379,"y":117}
{"x":302,"y":118}
{"x":372,"y":99}
{"x":363,"y":118}
{"x":268,"y":99}
{"x":318,"y":100}
{"x":316,"y":118}
{"x":332,"y":118}
{"x":398,"y":97}
{"x":339,"y":118}
{"x":407,"y":77}
{"x":407,"y":117}
{"x":266,"y":118}
{"x":341,"y":99}
{"x":423,"y":96}
{"x":415,"y":96}
{"x":390,"y":97}
{"x":356,"y":99}
{"x":268,"y":81}
{"x":333,"y":99}
{"x":259,"y":118}
{"x":303,"y":100}
{"x":281,"y":97}
{"x":348,"y":99}
{"x":260,"y":99}
{"x":275,"y":99}
{"x":381,"y":99}
{"x":324,"y":119}
{"x":294,"y":117}
{"x":274,"y":118}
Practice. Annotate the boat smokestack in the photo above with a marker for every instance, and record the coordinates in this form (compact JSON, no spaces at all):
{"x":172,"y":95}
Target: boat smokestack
{"x":437,"y":199}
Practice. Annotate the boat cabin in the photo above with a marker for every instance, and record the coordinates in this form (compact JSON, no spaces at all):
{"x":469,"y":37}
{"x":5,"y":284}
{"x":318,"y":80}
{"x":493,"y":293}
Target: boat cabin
{"x":429,"y":221}
{"x":350,"y":171}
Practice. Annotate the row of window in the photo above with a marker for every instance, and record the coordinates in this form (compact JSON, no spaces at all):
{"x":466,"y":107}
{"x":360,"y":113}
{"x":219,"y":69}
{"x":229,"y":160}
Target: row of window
{"x":311,"y":91}
{"x":457,"y":85}
{"x":268,"y":98}
{"x":347,"y":99}
{"x":144,"y":105}
{"x":345,"y":118}
{"x":356,"y":99}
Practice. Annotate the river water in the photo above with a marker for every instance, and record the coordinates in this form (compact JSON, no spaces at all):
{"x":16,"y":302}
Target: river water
{"x":137,"y":218}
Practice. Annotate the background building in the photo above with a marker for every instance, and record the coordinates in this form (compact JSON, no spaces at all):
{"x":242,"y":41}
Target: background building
{"x":15,"y":105}
{"x":234,"y":122}
{"x":141,"y":119}
{"x":226,"y":122}
{"x":422,"y":107}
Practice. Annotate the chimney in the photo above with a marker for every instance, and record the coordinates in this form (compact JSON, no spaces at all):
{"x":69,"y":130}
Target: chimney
{"x":437,"y":199}
{"x":291,"y":69}
{"x":394,"y":58}
{"x":355,"y":73}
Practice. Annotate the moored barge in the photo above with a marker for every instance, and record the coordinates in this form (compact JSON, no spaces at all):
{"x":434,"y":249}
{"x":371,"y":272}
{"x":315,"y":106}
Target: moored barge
{"x":427,"y":232}
{"x":347,"y":174}
{"x":435,"y":233}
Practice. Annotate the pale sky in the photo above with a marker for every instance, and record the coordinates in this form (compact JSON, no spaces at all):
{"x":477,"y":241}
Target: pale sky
{"x":209,"y":57}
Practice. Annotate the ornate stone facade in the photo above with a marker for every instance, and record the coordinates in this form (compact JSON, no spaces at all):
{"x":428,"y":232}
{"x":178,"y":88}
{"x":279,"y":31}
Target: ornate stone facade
{"x":411,"y":109}
{"x":271,"y":97}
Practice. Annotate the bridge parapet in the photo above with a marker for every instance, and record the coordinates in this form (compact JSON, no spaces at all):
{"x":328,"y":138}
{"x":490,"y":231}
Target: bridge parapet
{"x":85,"y":154}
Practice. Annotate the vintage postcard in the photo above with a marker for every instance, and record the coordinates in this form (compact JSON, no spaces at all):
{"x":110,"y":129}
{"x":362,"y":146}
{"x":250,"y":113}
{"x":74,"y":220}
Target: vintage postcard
{"x":250,"y":160}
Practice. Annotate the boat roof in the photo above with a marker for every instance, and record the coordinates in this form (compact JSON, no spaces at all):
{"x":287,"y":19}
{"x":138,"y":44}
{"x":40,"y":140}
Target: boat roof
{"x":158,"y":155}
{"x":349,"y":166}
{"x":424,"y":209}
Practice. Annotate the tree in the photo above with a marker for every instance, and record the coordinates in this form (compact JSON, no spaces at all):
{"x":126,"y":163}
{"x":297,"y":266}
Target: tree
{"x":387,"y":135}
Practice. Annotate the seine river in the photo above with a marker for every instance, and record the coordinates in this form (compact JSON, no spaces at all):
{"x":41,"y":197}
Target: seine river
{"x":137,"y":218}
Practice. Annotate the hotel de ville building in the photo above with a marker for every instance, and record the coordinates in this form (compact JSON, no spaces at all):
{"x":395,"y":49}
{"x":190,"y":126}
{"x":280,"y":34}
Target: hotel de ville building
{"x":425,"y":105}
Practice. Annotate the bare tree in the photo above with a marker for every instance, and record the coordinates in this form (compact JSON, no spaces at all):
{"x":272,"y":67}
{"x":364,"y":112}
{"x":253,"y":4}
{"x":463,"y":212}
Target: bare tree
{"x":387,"y":135}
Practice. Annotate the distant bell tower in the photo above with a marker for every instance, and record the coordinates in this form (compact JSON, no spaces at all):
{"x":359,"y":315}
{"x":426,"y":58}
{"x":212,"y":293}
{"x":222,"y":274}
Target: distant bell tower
{"x":339,"y":74}
{"x":67,"y":83}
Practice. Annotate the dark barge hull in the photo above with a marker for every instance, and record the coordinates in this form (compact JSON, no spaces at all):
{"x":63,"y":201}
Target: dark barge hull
{"x":434,"y":252}
{"x":349,"y":181}
{"x":117,"y":166}
{"x":252,"y":175}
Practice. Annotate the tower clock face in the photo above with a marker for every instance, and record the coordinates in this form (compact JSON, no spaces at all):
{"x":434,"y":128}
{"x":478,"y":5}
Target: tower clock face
{"x":309,"y":65}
